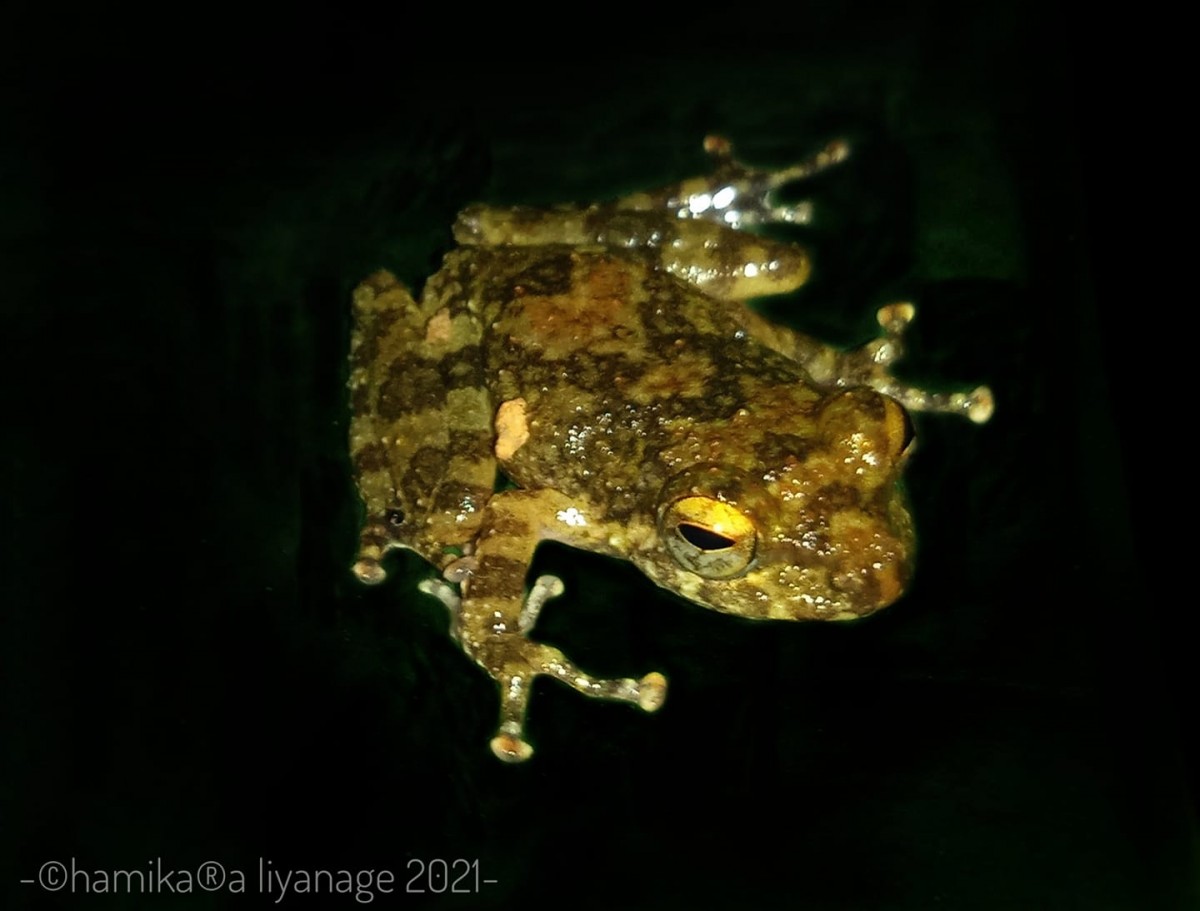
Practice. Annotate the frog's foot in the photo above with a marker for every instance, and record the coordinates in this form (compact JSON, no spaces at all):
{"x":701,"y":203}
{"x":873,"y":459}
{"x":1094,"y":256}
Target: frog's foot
{"x":868,"y":366}
{"x":534,"y":658}
{"x":510,"y":744}
{"x":497,"y":612}
{"x":740,"y":196}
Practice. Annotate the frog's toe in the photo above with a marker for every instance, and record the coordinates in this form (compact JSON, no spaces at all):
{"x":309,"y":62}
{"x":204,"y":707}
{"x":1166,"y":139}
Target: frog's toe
{"x":799,"y":214}
{"x":980,"y":404}
{"x":718,"y":146}
{"x":515,"y":664}
{"x":510,"y":746}
{"x":833,"y":153}
{"x":894,"y":317}
{"x":977,"y":405}
{"x":368,"y":571}
{"x":652,"y":692}
{"x":767,"y":182}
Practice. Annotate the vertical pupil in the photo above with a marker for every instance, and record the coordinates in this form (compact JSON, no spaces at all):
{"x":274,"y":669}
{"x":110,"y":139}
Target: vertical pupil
{"x":703,"y":538}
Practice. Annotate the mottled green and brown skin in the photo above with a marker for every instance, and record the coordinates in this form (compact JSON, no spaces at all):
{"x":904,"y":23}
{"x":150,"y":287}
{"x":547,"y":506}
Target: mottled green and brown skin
{"x":602,"y":359}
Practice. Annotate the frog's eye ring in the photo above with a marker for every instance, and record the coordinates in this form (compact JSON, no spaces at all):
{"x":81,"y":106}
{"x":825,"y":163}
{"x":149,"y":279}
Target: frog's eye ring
{"x":710,"y":537}
{"x":908,"y":433}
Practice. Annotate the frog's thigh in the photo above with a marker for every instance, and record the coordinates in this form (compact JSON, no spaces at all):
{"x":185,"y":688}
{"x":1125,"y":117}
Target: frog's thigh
{"x":733,"y":265}
{"x":495,"y":615}
{"x":382,"y":308}
{"x":422,"y":452}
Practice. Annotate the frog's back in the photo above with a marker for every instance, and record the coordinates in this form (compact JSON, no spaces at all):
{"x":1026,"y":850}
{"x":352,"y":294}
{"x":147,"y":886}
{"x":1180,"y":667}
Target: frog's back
{"x":614,"y":363}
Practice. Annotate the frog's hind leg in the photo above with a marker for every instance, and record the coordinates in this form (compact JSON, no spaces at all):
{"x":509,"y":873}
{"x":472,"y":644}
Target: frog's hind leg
{"x":693,"y":229}
{"x":496,"y":615}
{"x":725,"y":264}
{"x":708,"y":244}
{"x":421,"y":445}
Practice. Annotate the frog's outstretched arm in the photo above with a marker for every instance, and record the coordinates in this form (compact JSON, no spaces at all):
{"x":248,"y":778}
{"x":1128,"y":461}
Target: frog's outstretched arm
{"x":736,"y":196}
{"x":495,"y":615}
{"x":869,"y":364}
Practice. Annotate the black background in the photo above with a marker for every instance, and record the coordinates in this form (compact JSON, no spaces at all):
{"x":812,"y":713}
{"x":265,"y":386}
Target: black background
{"x":189,"y":671}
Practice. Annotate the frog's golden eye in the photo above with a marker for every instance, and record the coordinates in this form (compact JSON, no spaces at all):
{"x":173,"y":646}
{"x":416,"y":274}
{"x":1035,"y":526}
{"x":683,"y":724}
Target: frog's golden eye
{"x":708,"y":536}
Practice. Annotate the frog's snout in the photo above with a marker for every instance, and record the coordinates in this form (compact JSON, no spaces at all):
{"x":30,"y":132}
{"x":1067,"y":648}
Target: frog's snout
{"x":469,"y":224}
{"x":872,"y":586}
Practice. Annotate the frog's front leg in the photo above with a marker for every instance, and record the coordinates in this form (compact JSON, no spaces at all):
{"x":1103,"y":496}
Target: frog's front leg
{"x":869,"y":364}
{"x":495,"y":616}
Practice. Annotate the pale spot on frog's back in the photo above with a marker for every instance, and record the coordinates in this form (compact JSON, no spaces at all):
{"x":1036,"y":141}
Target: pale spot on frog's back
{"x":512,"y":429}
{"x":437,"y":330}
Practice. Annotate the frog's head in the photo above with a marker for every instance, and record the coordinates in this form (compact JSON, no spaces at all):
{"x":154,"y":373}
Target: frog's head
{"x":815,"y":527}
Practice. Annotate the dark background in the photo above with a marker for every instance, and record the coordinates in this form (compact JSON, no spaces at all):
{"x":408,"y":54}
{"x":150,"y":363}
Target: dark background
{"x":189,"y":670}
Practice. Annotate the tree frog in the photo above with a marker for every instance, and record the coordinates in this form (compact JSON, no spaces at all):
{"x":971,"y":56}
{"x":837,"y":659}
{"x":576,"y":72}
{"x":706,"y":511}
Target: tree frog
{"x":601,"y":359}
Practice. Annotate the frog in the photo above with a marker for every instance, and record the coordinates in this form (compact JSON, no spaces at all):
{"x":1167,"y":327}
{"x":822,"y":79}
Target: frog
{"x":593,"y":375}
